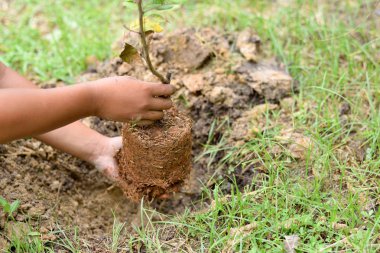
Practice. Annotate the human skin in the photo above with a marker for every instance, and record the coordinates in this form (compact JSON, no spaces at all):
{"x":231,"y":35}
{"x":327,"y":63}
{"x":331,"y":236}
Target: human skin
{"x":51,"y":115}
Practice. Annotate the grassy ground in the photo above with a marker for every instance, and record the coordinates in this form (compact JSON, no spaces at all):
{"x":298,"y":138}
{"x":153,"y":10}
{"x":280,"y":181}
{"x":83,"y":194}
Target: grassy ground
{"x":329,"y":200}
{"x":51,"y":40}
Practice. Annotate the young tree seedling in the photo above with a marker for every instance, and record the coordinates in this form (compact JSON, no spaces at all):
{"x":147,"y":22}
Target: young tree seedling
{"x":148,"y":23}
{"x":168,"y":161}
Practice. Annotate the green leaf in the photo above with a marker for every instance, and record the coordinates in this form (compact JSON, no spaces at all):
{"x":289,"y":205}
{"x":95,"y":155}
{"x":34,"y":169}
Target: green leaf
{"x":150,"y":7}
{"x":34,"y":234}
{"x":156,"y":17}
{"x":160,"y":7}
{"x":7,"y":208}
{"x":14,"y":206}
{"x":166,"y":1}
{"x":167,"y":7}
{"x":3,"y":202}
{"x":129,"y":53}
{"x":159,"y":1}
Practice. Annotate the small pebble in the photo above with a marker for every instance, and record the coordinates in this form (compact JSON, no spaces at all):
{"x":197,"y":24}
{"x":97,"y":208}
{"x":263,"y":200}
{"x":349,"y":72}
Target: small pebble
{"x":55,"y":185}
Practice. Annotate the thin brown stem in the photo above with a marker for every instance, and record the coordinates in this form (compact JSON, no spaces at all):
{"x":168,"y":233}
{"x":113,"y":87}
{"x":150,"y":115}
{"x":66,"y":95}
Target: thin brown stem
{"x":145,"y":45}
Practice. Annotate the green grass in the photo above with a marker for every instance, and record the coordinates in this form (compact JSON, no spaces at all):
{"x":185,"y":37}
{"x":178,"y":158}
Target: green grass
{"x":330,"y":47}
{"x":27,"y":244}
{"x":24,"y":238}
{"x":51,"y":39}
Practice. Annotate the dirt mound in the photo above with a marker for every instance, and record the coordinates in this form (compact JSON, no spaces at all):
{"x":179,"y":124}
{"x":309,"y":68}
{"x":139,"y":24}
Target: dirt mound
{"x":183,"y":50}
{"x":225,"y":81}
{"x":228,"y":77}
{"x":156,"y":159}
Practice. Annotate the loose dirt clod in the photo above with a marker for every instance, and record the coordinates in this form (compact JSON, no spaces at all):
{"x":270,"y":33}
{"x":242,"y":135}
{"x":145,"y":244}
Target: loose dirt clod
{"x":266,"y":80}
{"x":248,"y":44}
{"x":181,"y":49}
{"x":156,"y":159}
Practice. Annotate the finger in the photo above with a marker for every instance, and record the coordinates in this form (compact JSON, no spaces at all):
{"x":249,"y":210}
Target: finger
{"x":159,"y":104}
{"x":153,"y":115}
{"x":144,"y":122}
{"x":162,"y":90}
{"x":140,"y":121}
{"x":111,"y":173}
{"x":116,"y":142}
{"x":108,"y":166}
{"x":164,"y":196}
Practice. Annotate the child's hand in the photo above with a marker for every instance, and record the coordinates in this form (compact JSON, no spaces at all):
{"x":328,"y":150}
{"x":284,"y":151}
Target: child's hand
{"x":125,"y":99}
{"x":103,"y":157}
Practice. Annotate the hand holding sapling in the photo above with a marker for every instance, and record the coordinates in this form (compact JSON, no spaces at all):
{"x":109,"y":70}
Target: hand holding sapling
{"x":116,"y":98}
{"x":126,"y":98}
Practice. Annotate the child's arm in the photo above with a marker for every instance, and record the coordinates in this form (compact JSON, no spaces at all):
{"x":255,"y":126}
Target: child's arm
{"x":29,"y":112}
{"x":75,"y":138}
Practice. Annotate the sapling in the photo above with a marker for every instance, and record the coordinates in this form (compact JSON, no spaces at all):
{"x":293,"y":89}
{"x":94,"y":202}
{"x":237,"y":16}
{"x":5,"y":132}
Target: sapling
{"x":156,"y":159}
{"x":148,"y":22}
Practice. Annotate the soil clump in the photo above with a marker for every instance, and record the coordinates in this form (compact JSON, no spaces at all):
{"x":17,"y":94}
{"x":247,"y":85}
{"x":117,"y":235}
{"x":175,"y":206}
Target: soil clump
{"x":156,"y":159}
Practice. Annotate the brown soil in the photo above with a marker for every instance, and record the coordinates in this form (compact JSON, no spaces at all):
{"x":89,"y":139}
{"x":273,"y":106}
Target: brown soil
{"x":58,"y":191}
{"x":160,"y":159}
{"x":219,"y":85}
